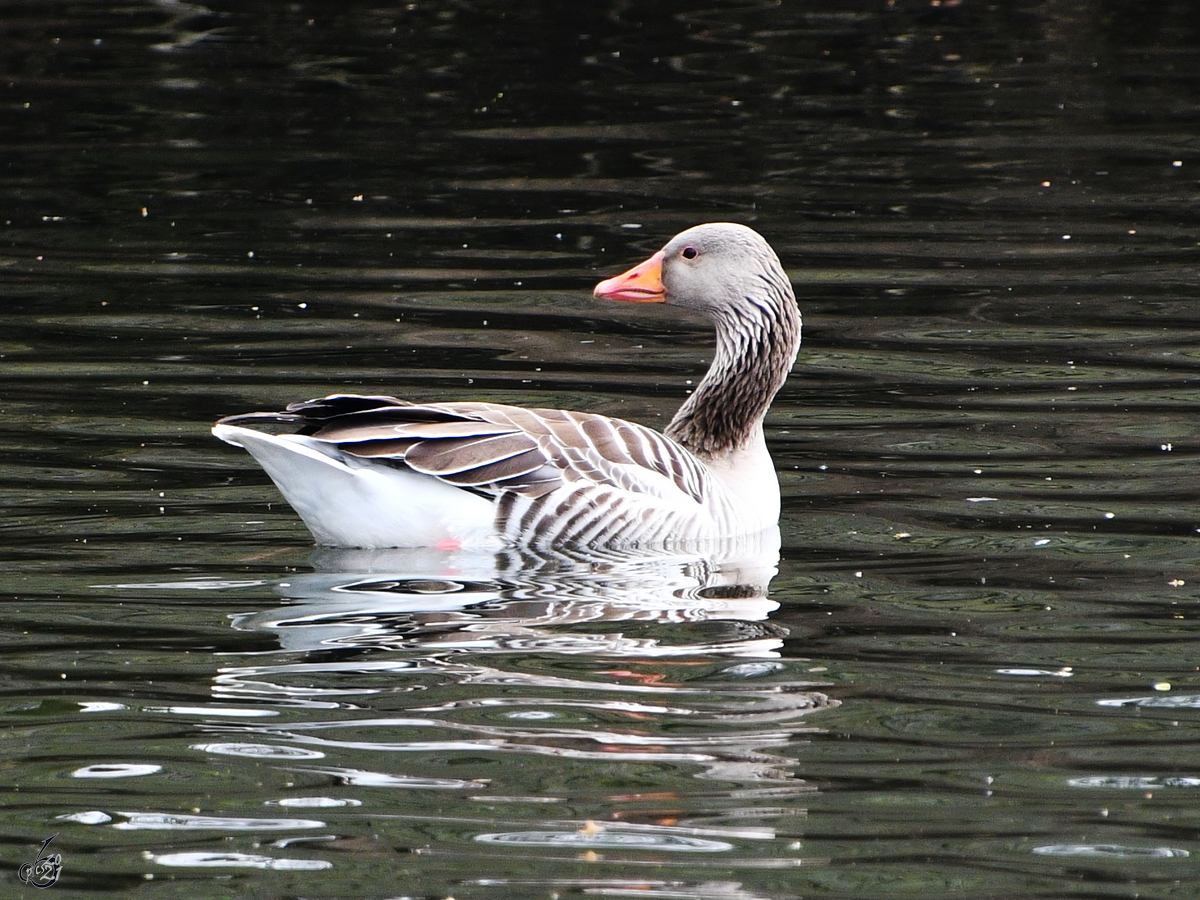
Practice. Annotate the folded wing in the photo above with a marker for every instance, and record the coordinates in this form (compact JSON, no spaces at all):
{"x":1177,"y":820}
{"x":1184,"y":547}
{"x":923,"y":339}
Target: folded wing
{"x":494,"y":449}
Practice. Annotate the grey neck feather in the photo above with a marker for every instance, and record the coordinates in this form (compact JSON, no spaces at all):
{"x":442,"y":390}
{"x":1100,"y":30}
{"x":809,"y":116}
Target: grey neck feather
{"x":756,"y":348}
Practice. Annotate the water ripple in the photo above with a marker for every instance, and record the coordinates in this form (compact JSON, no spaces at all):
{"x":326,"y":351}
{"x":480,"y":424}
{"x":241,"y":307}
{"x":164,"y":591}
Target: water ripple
{"x":384,"y":779}
{"x":1111,"y":851}
{"x":181,"y":822}
{"x":606,"y":840}
{"x":238,"y":860}
{"x":258,"y":751}
{"x":117,"y":770}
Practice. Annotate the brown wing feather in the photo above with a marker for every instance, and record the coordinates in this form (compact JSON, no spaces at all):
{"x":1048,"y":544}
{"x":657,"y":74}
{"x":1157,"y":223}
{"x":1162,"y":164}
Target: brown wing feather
{"x":510,"y":469}
{"x":395,"y":448}
{"x":456,"y":456}
{"x":339,"y":431}
{"x":499,"y":447}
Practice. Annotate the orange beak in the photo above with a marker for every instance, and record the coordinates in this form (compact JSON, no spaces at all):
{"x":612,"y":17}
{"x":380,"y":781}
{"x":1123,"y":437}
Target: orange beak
{"x":641,"y":284}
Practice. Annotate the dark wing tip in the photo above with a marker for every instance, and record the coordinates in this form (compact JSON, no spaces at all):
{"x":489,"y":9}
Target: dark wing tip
{"x":309,"y":415}
{"x":342,"y":404}
{"x":261,"y":418}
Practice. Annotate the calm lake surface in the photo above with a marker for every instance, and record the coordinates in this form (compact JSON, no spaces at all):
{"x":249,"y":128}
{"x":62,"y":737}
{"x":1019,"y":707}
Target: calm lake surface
{"x":971,"y":670}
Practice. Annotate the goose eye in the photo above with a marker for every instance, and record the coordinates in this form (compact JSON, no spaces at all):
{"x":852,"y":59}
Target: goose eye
{"x":689,"y":253}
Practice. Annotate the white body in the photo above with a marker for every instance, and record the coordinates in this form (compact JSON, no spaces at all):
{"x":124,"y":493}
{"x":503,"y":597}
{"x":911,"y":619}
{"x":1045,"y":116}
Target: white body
{"x":348,"y":501}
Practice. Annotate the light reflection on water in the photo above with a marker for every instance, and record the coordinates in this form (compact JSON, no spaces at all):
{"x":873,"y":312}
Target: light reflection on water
{"x":238,"y":860}
{"x":607,"y":840}
{"x":174,"y":822}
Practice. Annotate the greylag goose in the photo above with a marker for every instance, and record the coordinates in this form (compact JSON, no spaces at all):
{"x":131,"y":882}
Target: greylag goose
{"x":380,"y":472}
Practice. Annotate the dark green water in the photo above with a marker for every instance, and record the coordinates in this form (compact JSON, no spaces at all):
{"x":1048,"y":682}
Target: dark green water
{"x":977,"y":670}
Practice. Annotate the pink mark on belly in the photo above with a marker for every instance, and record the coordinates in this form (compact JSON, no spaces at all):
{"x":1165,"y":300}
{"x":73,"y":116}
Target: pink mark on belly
{"x":449,"y":544}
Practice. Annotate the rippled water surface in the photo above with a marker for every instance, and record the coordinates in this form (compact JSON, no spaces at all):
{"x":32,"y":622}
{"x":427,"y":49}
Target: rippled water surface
{"x":971,"y":670}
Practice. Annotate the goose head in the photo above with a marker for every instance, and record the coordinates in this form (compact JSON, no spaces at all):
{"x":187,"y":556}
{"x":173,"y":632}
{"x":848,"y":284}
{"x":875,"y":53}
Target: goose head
{"x":711,"y":268}
{"x":729,"y":273}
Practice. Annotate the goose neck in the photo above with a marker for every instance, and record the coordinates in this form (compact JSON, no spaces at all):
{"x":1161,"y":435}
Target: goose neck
{"x":756,"y":348}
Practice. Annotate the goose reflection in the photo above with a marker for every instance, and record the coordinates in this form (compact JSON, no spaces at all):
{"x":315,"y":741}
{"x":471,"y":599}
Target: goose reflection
{"x":592,"y":602}
{"x":410,"y":653}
